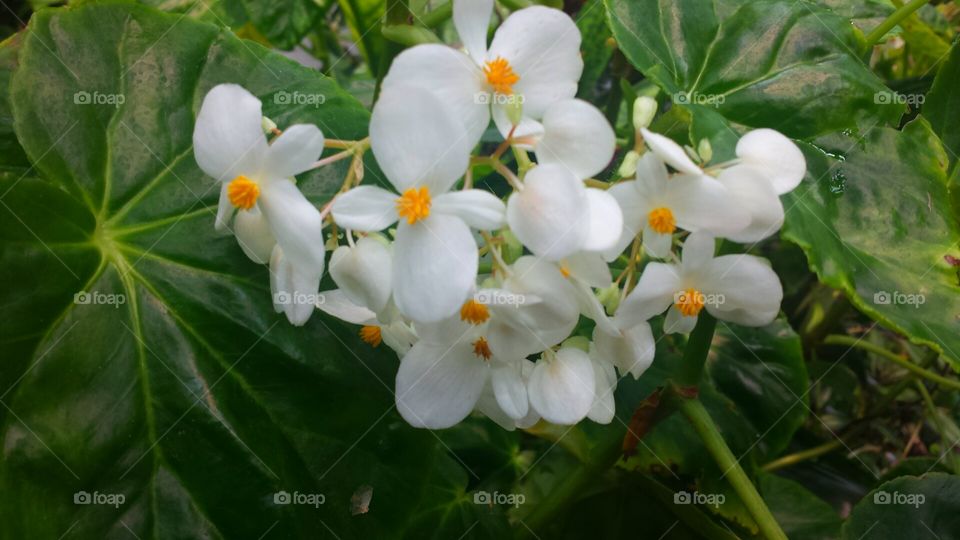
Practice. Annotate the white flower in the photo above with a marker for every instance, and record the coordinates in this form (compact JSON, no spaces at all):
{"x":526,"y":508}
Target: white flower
{"x":423,"y":152}
{"x":631,"y":350}
{"x":387,"y":327}
{"x":363,"y":272}
{"x":656,"y":205}
{"x":605,"y":383}
{"x":577,"y":136}
{"x":294,"y":290}
{"x":769,"y":166}
{"x":257,"y":178}
{"x":490,"y":407}
{"x":741,"y":289}
{"x":562,"y":386}
{"x":534,"y":60}
{"x":555,"y":215}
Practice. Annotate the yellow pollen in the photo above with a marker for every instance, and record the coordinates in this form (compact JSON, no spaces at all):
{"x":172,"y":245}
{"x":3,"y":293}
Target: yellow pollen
{"x":689,"y":302}
{"x":482,"y":349}
{"x":501,"y":76}
{"x":564,"y":270}
{"x":662,"y":221}
{"x":414,"y":204}
{"x":474,"y":312}
{"x":371,"y":335}
{"x":243,"y":192}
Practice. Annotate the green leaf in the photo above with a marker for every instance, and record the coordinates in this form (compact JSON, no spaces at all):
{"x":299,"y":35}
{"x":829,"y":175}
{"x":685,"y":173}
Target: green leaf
{"x":802,"y":514}
{"x":942,"y":104}
{"x":874,"y":220}
{"x":173,"y":382}
{"x":908,"y":507}
{"x":792,"y":66}
{"x":591,"y":21}
{"x":364,"y":18}
{"x":12,"y":158}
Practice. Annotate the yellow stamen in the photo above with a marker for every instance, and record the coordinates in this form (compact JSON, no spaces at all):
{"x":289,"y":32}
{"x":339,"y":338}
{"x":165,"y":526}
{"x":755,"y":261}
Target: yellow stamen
{"x":662,"y":221}
{"x":689,"y":302}
{"x":414,"y":204}
{"x":500,"y":76}
{"x":474,"y":312}
{"x":564,"y":270}
{"x":243,"y":192}
{"x":482,"y":349}
{"x":371,"y":335}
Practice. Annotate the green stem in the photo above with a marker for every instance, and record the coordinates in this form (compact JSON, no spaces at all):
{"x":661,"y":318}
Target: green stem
{"x":695,"y":354}
{"x":894,"y":19}
{"x":704,"y":426}
{"x":932,"y":408}
{"x":435,"y":17}
{"x":809,"y":453}
{"x":902,"y":362}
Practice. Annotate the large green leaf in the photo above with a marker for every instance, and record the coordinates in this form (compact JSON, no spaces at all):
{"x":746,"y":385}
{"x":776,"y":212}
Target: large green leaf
{"x":789,"y":65}
{"x":909,"y":507}
{"x":173,"y":382}
{"x":942,"y":105}
{"x":875,"y":221}
{"x":12,"y":158}
{"x":800,"y":513}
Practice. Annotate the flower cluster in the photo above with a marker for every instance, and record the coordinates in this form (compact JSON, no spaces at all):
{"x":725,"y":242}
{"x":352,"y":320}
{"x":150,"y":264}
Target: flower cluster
{"x":486,"y":298}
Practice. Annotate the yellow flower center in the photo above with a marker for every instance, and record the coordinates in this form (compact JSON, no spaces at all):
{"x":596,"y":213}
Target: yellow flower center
{"x":414,"y":204}
{"x":689,"y":302}
{"x":564,"y":270}
{"x":474,"y":312}
{"x":482,"y":349}
{"x":371,"y":335}
{"x":662,"y":221}
{"x":243,"y":192}
{"x":501,"y":76}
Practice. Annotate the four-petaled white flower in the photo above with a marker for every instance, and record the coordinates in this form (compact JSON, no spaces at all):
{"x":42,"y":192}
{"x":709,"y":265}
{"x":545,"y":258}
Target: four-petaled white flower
{"x":533,"y":61}
{"x":257,"y":178}
{"x":422,"y":151}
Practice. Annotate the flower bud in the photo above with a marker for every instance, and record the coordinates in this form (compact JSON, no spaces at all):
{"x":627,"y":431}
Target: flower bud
{"x":515,"y":110}
{"x":705,"y":150}
{"x":610,"y":298}
{"x":644,"y":109}
{"x":629,"y":165}
{"x":577,"y":342}
{"x":267,"y":125}
{"x":511,"y":249}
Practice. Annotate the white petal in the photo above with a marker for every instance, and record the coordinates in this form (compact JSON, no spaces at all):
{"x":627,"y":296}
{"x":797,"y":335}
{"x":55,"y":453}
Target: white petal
{"x":606,"y":221}
{"x":471,"y":19}
{"x":591,"y":308}
{"x":336,"y":303}
{"x":699,"y":202}
{"x":670,"y":152}
{"x":294,"y":151}
{"x":777,"y":157}
{"x":294,"y":292}
{"x":438,"y":386}
{"x":279,"y":280}
{"x":542,"y":46}
{"x":365,"y":208}
{"x":254,"y":235}
{"x":562,"y":389}
{"x":487,"y":404}
{"x":590,"y":268}
{"x":224,"y":210}
{"x":651,"y":296}
{"x":227,"y":138}
{"x":748,"y":291}
{"x":364,"y":272}
{"x":678,"y":323}
{"x":577,"y":136}
{"x":757,"y":197}
{"x":652,"y":180}
{"x":480,"y":209}
{"x":398,"y":336}
{"x":551,"y":214}
{"x":604,"y":406}
{"x":434,"y":267}
{"x":296,"y":225}
{"x":509,"y":389}
{"x":527,"y":128}
{"x":698,"y":251}
{"x":631,"y":350}
{"x":634,"y":212}
{"x":656,"y":244}
{"x":550,"y":320}
{"x":453,"y":77}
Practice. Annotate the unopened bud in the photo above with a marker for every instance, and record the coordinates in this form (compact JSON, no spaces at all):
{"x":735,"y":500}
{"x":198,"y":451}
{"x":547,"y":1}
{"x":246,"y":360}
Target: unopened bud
{"x":267,"y":125}
{"x":644,"y":109}
{"x":515,"y":110}
{"x":610,"y":298}
{"x":577,"y":342}
{"x":511,"y":249}
{"x":705,"y":150}
{"x":629,"y":165}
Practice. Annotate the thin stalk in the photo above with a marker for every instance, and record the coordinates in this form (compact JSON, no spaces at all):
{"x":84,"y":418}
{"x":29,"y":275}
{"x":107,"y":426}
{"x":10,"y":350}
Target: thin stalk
{"x":902,"y":362}
{"x":695,"y":353}
{"x":894,"y":19}
{"x":809,"y":453}
{"x":932,"y":407}
{"x":704,"y":426}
